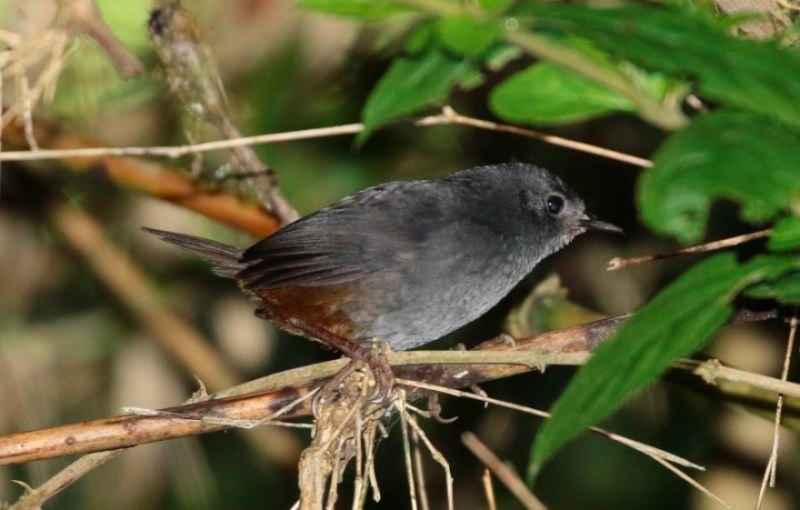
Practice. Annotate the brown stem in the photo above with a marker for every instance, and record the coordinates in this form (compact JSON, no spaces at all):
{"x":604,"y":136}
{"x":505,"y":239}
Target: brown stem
{"x":258,"y":399}
{"x":175,"y":336}
{"x":194,"y":79}
{"x":150,"y":179}
{"x":86,"y":15}
{"x":619,"y":263}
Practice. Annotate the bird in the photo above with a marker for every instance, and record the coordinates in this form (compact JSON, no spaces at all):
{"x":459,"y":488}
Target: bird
{"x":403,"y":263}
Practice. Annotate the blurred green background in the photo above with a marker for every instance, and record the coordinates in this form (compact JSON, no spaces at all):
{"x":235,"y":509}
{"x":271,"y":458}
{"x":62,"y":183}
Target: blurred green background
{"x":70,"y":352}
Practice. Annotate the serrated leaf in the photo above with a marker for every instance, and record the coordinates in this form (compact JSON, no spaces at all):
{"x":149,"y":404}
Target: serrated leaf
{"x":749,"y":159}
{"x":548,"y":94}
{"x":467,"y":36}
{"x":675,"y":323}
{"x":412,"y":84}
{"x":759,"y":76}
{"x":785,"y":235}
{"x":365,"y":10}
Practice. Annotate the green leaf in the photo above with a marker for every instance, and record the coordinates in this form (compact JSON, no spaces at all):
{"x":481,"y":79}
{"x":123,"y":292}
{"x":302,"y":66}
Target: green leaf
{"x":749,"y":159}
{"x":495,"y":5}
{"x":412,"y":84}
{"x":365,"y":10}
{"x":548,"y":94}
{"x":467,"y":36}
{"x":785,"y":235}
{"x":759,"y":76}
{"x":675,"y":323}
{"x":419,"y":39}
{"x":785,"y":289}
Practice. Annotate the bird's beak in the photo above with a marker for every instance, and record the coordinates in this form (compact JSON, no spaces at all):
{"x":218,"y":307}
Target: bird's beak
{"x":589,"y":223}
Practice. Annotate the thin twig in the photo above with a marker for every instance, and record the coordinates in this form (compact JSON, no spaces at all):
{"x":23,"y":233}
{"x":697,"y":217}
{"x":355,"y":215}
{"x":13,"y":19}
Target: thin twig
{"x":648,"y":450}
{"x":86,"y":15}
{"x":151,"y":179}
{"x":438,"y":457}
{"x":714,"y":372}
{"x":447,"y":117}
{"x":691,"y":481}
{"x":456,"y":118}
{"x":509,"y":478}
{"x":359,"y":483}
{"x":419,"y":469}
{"x":33,"y":499}
{"x":619,"y":263}
{"x":412,"y":493}
{"x":488,"y":489}
{"x":194,"y":78}
{"x":771,"y":470}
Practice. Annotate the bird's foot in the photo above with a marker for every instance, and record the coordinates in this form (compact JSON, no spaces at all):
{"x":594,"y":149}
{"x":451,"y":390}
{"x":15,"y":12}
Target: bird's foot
{"x":372,"y":357}
{"x":376,"y":362}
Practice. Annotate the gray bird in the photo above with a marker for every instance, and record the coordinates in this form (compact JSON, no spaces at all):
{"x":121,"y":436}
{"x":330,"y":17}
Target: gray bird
{"x":404,"y":262}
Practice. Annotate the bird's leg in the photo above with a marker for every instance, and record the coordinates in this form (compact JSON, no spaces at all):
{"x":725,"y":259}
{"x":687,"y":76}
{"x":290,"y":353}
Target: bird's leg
{"x":359,"y":356}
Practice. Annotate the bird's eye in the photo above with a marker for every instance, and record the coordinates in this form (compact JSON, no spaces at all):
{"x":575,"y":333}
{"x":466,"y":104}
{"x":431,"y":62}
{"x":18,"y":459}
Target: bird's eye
{"x":555,"y":204}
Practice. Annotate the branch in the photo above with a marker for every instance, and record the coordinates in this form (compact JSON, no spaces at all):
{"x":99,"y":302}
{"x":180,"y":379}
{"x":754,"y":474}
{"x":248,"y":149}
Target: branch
{"x":194,"y":79}
{"x":178,"y":338}
{"x":144,"y":177}
{"x":619,"y":262}
{"x":260,"y":398}
{"x":448,"y":116}
{"x":131,"y":287}
{"x":86,"y":15}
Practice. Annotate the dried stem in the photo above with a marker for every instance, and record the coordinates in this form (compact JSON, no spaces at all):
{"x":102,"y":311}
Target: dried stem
{"x":771,"y":470}
{"x":412,"y":492}
{"x":173,"y":334}
{"x":259,"y":398}
{"x":150,"y":179}
{"x":86,"y":15}
{"x":194,"y":78}
{"x":619,"y":263}
{"x":691,"y":481}
{"x":438,"y":457}
{"x":33,"y":499}
{"x":648,"y":450}
{"x":448,"y":116}
{"x":506,"y":475}
{"x":419,"y":471}
{"x":488,"y":489}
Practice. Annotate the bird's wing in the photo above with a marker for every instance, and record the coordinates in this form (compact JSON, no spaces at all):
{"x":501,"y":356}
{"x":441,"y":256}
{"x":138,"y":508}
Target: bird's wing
{"x":372,"y":231}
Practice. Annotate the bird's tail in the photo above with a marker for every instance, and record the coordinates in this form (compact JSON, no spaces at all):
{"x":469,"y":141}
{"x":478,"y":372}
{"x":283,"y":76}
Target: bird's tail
{"x":226,"y":258}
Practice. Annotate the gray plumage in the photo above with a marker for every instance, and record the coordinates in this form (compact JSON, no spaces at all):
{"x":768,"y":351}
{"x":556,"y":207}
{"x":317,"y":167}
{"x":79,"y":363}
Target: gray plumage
{"x":421,"y":258}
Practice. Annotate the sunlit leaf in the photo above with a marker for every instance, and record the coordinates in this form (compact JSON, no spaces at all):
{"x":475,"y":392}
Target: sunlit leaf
{"x":547,"y":94}
{"x":414,"y":83}
{"x":684,"y":43}
{"x":468,"y":37}
{"x":365,"y":10}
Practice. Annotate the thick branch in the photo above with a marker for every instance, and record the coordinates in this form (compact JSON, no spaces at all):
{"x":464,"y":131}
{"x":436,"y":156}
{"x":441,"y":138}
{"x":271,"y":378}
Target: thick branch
{"x":258,"y":399}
